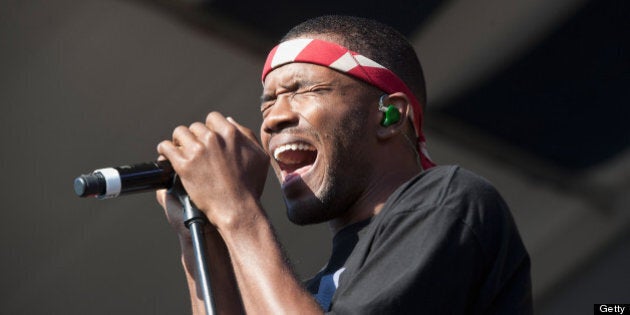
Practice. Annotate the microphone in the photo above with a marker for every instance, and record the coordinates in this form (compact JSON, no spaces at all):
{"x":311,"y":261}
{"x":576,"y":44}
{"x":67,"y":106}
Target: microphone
{"x":112,"y":182}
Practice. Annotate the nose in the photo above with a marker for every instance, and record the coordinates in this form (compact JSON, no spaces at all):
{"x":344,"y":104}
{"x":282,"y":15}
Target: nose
{"x":281,"y":115}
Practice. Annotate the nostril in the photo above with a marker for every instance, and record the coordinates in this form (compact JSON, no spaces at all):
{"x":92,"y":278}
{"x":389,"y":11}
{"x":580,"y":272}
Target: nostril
{"x":280,"y":125}
{"x":278,"y":119}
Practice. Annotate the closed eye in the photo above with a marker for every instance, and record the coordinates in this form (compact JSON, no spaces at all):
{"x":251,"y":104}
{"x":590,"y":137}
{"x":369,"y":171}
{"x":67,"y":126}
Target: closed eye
{"x":295,"y":92}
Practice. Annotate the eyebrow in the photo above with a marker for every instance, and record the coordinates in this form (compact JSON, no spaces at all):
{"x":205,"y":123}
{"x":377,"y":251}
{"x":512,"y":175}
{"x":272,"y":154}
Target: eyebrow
{"x":293,"y":85}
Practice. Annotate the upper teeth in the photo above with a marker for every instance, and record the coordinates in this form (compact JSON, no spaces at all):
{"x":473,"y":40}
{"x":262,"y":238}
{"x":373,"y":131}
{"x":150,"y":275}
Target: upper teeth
{"x":293,"y":147}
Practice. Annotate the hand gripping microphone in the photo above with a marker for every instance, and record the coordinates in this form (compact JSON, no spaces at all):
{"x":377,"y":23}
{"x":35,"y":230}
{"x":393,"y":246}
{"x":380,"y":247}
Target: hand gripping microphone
{"x":112,"y":182}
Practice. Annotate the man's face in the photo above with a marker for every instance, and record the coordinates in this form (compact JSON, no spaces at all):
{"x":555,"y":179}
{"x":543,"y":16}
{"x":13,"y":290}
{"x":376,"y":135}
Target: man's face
{"x":317,"y":127}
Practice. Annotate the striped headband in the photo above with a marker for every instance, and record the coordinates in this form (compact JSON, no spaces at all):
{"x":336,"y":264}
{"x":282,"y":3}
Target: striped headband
{"x":342,"y":59}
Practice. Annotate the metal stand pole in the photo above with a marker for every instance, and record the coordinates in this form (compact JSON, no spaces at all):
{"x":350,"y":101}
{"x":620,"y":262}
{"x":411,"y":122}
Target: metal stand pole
{"x":195,"y":221}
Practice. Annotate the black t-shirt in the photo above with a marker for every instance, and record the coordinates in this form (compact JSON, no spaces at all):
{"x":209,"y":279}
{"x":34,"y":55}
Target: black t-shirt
{"x":444,"y":243}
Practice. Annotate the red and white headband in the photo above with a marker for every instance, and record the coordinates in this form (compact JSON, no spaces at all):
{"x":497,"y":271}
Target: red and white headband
{"x":342,"y":59}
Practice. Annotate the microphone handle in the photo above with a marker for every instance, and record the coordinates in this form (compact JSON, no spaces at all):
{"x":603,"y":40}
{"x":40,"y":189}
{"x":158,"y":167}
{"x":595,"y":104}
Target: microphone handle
{"x":115,"y":181}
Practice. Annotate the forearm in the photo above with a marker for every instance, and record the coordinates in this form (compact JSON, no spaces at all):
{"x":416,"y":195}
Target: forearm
{"x":266,"y":282}
{"x":196,"y":302}
{"x":222,"y":280}
{"x":223,"y":169}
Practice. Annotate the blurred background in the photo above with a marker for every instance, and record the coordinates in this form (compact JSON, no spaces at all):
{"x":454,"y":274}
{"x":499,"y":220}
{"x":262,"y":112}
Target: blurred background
{"x":531,"y":94}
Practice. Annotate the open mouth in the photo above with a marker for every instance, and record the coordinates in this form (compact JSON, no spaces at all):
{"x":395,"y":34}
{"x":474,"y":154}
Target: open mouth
{"x":295,"y":159}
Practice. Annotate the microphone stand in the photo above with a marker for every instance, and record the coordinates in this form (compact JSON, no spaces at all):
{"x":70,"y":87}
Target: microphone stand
{"x":195,"y":220}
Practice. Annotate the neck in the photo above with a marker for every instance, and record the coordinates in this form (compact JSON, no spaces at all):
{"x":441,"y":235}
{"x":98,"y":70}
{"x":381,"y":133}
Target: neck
{"x":371,"y":202}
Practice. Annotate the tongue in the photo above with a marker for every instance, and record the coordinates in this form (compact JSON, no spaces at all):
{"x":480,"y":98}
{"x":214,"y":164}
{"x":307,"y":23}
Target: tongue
{"x":292,"y":160}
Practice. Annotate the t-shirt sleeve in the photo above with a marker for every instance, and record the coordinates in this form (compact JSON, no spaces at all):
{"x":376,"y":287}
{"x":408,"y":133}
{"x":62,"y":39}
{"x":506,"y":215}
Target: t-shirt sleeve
{"x":462,"y":256}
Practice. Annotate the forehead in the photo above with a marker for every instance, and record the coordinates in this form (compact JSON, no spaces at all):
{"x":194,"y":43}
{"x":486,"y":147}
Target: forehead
{"x":304,"y":73}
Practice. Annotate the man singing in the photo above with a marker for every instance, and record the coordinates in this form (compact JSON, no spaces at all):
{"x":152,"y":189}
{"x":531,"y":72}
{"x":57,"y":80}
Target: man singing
{"x":342,"y":108}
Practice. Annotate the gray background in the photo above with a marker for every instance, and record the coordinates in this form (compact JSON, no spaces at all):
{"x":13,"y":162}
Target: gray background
{"x":88,"y":84}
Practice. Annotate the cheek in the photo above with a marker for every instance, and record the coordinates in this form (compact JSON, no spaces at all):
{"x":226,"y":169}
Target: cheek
{"x":328,"y":113}
{"x":312,"y":111}
{"x":356,"y":123}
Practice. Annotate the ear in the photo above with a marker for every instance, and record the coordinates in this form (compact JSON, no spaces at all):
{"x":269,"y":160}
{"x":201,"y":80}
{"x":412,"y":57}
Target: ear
{"x":400,"y":102}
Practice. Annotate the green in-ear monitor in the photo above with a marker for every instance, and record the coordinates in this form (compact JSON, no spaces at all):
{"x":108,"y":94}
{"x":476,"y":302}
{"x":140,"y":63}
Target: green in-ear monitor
{"x":392,"y":115}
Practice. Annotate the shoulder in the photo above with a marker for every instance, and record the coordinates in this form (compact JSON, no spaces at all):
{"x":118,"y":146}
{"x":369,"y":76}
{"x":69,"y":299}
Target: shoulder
{"x":452,"y":199}
{"x":450,"y":187}
{"x":444,"y":240}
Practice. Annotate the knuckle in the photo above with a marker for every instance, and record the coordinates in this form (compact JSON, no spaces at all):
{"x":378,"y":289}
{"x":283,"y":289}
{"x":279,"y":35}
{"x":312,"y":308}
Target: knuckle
{"x":210,"y":137}
{"x":162,"y":144}
{"x":211,"y":116}
{"x":197,"y":128}
{"x":163,"y":148}
{"x":178,"y":130}
{"x":196,"y":148}
{"x":195,"y":125}
{"x":186,"y":167}
{"x":230,"y":131}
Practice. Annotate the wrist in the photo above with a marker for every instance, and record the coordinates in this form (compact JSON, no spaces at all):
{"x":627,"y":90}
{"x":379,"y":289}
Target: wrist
{"x":240,"y":216}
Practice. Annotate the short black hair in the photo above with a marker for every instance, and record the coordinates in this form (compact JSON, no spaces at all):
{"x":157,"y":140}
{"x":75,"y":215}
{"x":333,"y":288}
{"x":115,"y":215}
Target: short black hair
{"x":375,"y":40}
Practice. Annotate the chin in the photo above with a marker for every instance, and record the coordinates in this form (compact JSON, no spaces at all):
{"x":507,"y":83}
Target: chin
{"x":304,"y":215}
{"x":305,"y":212}
{"x":312,"y":210}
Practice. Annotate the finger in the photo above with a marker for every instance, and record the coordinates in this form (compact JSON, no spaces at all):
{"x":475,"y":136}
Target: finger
{"x":169,"y":151}
{"x":172,"y":201}
{"x":168,"y":201}
{"x":219,"y":123}
{"x":160,"y":196}
{"x":215,"y":119}
{"x":208,"y":137}
{"x":199,"y":129}
{"x":182,"y":136}
{"x":172,"y":208}
{"x":244,"y":130}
